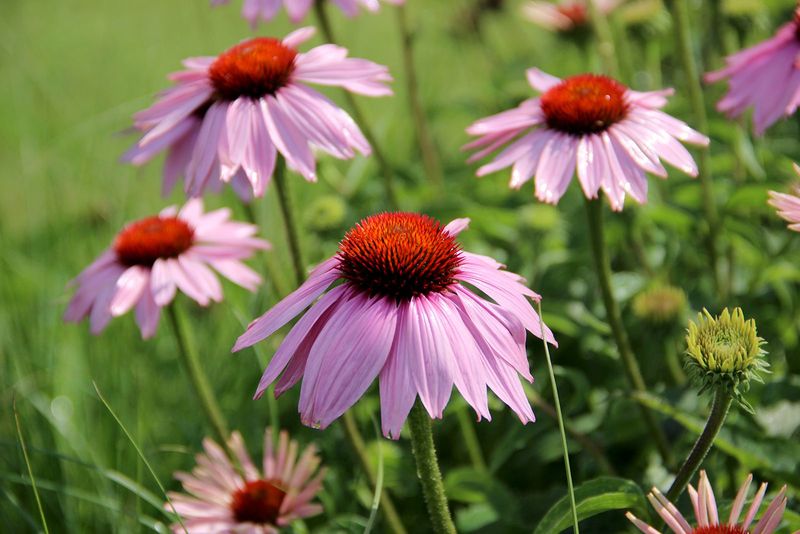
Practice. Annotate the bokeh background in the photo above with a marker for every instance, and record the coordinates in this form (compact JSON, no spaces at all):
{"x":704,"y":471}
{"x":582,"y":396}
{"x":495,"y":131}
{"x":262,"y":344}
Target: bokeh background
{"x":73,"y":72}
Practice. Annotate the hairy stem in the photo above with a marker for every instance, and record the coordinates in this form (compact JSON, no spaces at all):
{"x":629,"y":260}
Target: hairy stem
{"x":428,"y":470}
{"x":719,"y":410}
{"x":191,"y":364}
{"x":594,"y":210}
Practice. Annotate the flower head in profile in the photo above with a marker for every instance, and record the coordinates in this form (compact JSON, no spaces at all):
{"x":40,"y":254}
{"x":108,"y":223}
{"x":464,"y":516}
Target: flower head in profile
{"x":725,"y":352}
{"x":765,"y":77}
{"x":788,"y":204}
{"x":399,"y":311}
{"x":591,"y":125}
{"x":227,"y":118}
{"x":255,"y":11}
{"x":564,"y":15}
{"x":154,"y":257}
{"x":221,"y":498}
{"x":707,"y":515}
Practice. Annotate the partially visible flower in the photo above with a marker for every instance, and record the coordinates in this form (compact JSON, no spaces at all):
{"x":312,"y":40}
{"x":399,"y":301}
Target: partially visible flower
{"x":265,"y":10}
{"x":765,"y":77}
{"x":229,"y":117}
{"x":707,"y":515}
{"x":222,"y":499}
{"x":725,"y":352}
{"x":154,"y":257}
{"x":564,"y":15}
{"x":402,"y":313}
{"x":660,"y":304}
{"x":591,"y":125}
{"x":788,"y":205}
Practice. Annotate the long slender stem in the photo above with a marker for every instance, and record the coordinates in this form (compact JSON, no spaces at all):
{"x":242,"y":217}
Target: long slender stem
{"x":30,"y":469}
{"x":191,"y":363}
{"x":393,"y":520}
{"x":273,"y":273}
{"x":719,"y":410}
{"x":560,"y":418}
{"x":285,"y":203}
{"x":383,"y":164}
{"x":680,"y":15}
{"x":430,"y":156}
{"x":471,"y":441}
{"x":605,"y":40}
{"x":594,"y":210}
{"x":428,"y":470}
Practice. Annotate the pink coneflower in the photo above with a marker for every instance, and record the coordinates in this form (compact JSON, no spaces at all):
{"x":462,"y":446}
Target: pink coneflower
{"x":591,"y":124}
{"x":564,"y":15}
{"x":229,"y":116}
{"x":765,"y":76}
{"x":402,"y":314}
{"x":222,"y":499}
{"x":788,"y":205}
{"x":707,"y":516}
{"x":153,"y":257}
{"x":265,"y":10}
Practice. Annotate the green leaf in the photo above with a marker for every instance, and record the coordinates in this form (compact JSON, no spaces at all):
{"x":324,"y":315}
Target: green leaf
{"x":595,"y":497}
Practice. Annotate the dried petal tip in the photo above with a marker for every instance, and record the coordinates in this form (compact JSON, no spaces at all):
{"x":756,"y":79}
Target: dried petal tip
{"x":660,"y":304}
{"x":725,"y":352}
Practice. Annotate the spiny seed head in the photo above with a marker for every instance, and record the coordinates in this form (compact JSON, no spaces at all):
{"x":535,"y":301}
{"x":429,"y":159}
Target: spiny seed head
{"x":258,"y":501}
{"x":584,"y":104}
{"x":725,"y":352}
{"x":147,"y":240}
{"x":660,"y":304}
{"x":253,"y":68}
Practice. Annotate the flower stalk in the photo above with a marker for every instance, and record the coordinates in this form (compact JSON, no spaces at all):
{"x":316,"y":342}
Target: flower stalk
{"x":594,"y":210}
{"x":680,"y":15}
{"x":430,"y":156}
{"x":428,"y":470}
{"x":191,"y":363}
{"x":719,"y":410}
{"x":285,"y":203}
{"x":383,"y":163}
{"x":560,"y":417}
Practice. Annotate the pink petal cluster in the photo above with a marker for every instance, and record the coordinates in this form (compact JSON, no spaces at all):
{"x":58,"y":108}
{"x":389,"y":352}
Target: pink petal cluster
{"x":765,"y":77}
{"x":420,"y":346}
{"x":564,"y":15}
{"x":255,"y":11}
{"x":110,"y":287}
{"x":211,"y":140}
{"x":788,"y":205}
{"x":707,"y":515}
{"x":216,"y":487}
{"x":613,"y":160}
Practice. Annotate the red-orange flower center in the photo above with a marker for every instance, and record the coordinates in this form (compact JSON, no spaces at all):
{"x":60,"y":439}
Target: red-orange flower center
{"x":399,"y":255}
{"x":576,"y":13}
{"x":584,"y":104}
{"x":145,"y":241}
{"x":259,"y":501}
{"x":719,"y":529}
{"x":254,"y":68}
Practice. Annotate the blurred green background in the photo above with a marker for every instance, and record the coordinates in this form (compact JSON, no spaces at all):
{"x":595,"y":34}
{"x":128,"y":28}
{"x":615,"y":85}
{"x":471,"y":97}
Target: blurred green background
{"x":73,"y":72}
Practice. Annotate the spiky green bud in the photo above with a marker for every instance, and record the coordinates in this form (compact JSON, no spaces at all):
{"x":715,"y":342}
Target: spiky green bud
{"x":725,"y":352}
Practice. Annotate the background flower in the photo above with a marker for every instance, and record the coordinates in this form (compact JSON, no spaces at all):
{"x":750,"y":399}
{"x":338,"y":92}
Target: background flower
{"x":228,"y":117}
{"x":154,"y":257}
{"x":256,"y":11}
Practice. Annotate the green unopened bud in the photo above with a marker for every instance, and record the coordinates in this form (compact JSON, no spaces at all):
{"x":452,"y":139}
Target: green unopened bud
{"x":725,"y":352}
{"x":660,"y":304}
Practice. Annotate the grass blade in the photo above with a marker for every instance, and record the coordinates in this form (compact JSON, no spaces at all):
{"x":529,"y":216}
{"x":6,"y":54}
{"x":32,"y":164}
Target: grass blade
{"x":28,"y":465}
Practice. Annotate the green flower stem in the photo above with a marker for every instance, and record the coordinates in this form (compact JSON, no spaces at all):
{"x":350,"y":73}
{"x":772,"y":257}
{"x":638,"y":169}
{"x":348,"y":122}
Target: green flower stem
{"x":383,"y":164}
{"x":393,"y":520}
{"x":428,"y":470}
{"x":605,"y":40}
{"x":594,"y":210}
{"x":430,"y":156}
{"x":191,"y":363}
{"x":680,"y":15}
{"x":273,"y":273}
{"x":560,"y":418}
{"x":471,"y":441}
{"x":288,"y":219}
{"x":719,"y":410}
